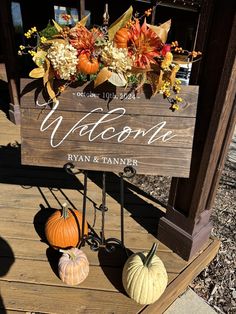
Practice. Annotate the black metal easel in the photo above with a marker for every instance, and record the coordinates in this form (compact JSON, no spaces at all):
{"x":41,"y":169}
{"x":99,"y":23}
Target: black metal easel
{"x":94,"y":240}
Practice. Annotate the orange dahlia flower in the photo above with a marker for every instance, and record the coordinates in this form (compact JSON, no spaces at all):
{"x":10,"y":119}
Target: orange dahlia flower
{"x":81,"y":39}
{"x":144,"y":44}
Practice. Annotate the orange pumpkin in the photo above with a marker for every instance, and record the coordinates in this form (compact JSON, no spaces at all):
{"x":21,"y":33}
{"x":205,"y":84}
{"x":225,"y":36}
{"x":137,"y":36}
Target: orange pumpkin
{"x":87,"y":64}
{"x":121,"y":38}
{"x":63,"y":228}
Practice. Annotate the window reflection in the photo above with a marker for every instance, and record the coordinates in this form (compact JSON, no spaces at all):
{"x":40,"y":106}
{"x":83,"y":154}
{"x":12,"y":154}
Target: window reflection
{"x":17,"y":17}
{"x":59,"y":11}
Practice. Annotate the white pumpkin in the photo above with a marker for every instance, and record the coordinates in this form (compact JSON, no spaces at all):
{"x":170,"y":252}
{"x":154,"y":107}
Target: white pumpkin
{"x":144,"y":276}
{"x":73,"y":266}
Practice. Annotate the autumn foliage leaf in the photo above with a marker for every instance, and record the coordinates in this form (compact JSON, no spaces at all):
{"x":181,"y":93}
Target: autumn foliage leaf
{"x":83,"y":21}
{"x":37,"y":72}
{"x":119,"y":23}
{"x":57,"y":26}
{"x":117,"y":79}
{"x":49,"y":73}
{"x":49,"y":87}
{"x":102,"y":76}
{"x":173,"y":74}
{"x":161,"y":30}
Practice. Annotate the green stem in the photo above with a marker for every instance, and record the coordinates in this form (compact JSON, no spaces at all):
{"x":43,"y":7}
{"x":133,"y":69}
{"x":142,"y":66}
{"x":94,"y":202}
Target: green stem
{"x":150,"y":255}
{"x":64,"y":213}
{"x":72,"y":255}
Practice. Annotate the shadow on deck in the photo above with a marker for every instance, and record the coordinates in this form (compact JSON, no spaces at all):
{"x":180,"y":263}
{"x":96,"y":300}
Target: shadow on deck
{"x":138,"y":203}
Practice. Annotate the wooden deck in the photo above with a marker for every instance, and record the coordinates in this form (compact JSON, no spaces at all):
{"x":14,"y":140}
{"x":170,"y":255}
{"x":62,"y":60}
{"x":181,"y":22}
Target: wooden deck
{"x":28,"y":267}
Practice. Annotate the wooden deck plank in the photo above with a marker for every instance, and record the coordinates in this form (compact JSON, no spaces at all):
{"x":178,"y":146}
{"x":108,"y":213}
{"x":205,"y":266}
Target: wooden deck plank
{"x":50,"y":299}
{"x":112,"y":221}
{"x":24,"y":270}
{"x":75,"y":193}
{"x":22,"y":230}
{"x":133,"y":195}
{"x":28,"y":197}
{"x":133,"y":241}
{"x":36,"y":250}
{"x":27,"y":214}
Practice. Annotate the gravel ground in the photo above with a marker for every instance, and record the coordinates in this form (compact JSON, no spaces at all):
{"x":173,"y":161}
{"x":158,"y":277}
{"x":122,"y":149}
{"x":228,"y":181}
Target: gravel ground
{"x":217,"y":283}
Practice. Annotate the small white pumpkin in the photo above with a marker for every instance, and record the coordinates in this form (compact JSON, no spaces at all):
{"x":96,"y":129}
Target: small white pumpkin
{"x":144,"y":276}
{"x":73,"y":266}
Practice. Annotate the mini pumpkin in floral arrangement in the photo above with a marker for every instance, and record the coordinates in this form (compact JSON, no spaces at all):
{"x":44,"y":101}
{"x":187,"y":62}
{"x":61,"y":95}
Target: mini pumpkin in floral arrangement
{"x":129,"y":53}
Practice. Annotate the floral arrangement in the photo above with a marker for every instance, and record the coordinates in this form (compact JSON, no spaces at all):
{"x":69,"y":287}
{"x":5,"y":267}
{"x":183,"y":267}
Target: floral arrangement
{"x":130,"y":52}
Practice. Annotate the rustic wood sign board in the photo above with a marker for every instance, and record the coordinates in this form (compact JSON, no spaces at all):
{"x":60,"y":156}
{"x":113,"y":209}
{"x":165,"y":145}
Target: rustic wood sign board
{"x":106,"y":129}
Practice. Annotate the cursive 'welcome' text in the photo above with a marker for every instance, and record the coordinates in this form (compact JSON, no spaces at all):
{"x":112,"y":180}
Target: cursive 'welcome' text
{"x":92,"y":130}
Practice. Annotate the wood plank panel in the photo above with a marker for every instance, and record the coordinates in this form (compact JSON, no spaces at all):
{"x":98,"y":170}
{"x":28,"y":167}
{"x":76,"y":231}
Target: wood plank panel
{"x":81,"y":99}
{"x":168,"y":161}
{"x":183,"y":131}
{"x":107,"y":136}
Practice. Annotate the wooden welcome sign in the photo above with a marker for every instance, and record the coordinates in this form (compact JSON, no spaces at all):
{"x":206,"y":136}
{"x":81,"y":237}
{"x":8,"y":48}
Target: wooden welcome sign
{"x":107,"y":130}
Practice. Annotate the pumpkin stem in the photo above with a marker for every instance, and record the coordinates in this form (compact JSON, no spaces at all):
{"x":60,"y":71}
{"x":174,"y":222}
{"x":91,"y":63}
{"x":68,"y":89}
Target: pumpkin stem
{"x":150,"y":255}
{"x":72,"y":255}
{"x":64,"y":211}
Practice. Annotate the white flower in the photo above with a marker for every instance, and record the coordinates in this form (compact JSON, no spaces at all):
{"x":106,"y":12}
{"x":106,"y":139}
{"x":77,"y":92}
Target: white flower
{"x":63,"y":58}
{"x":116,"y":59}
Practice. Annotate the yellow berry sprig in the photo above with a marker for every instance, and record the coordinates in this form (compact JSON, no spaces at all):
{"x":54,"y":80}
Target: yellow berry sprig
{"x":30,"y":32}
{"x":31,"y":49}
{"x":175,"y":46}
{"x":148,"y":12}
